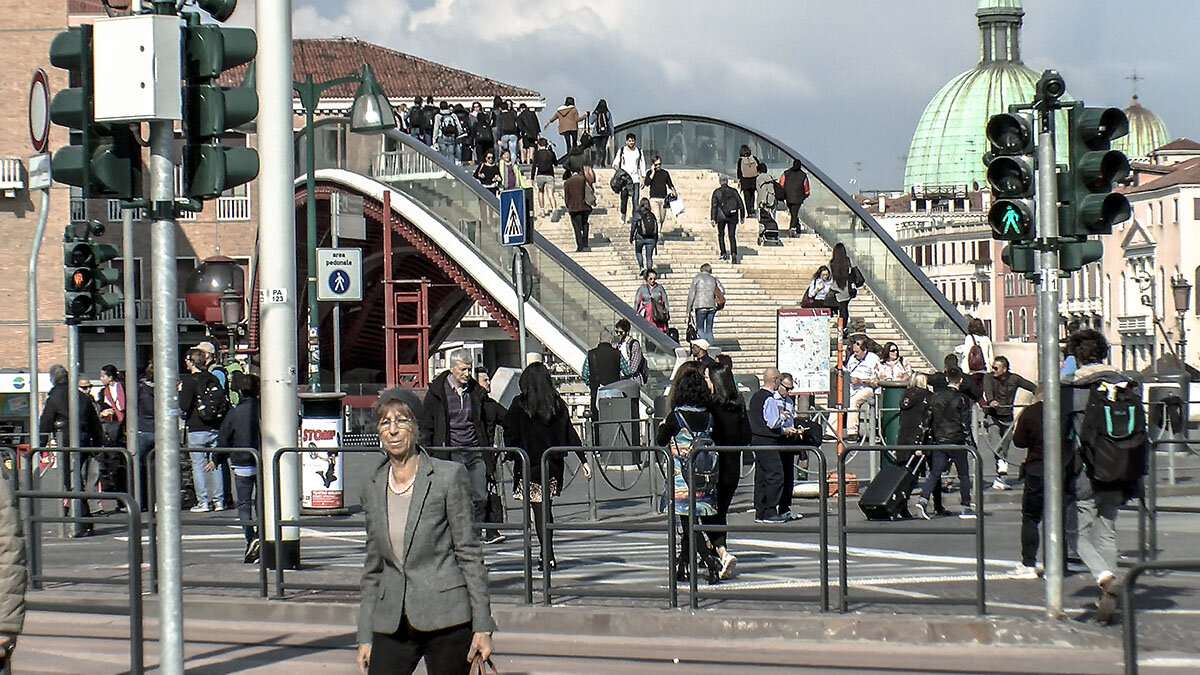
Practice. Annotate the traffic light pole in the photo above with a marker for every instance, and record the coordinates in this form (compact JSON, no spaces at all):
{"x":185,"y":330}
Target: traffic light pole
{"x":1048,"y":361}
{"x":72,"y":463}
{"x":166,"y":397}
{"x":131,"y":369}
{"x":35,"y":437}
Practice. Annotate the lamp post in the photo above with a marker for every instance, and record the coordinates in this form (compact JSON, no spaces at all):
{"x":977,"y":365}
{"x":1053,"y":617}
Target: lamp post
{"x":1182,"y":291}
{"x":370,"y":112}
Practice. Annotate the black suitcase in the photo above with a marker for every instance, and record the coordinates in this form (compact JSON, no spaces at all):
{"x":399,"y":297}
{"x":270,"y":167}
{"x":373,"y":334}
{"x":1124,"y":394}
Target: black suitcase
{"x":887,"y":493}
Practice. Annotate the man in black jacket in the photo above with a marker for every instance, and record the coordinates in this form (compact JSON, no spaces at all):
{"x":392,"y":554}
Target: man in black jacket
{"x":795,"y":190}
{"x":603,"y":365}
{"x":241,"y":429}
{"x":727,"y":213}
{"x":999,"y":393}
{"x":949,"y":422}
{"x":452,"y":417}
{"x":771,"y":424}
{"x":91,"y":433}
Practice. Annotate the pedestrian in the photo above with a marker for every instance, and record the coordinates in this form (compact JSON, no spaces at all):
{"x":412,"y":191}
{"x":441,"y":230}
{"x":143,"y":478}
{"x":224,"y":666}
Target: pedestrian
{"x":511,"y":177}
{"x":529,"y":129}
{"x":603,"y":365}
{"x":847,"y":278}
{"x":446,"y":129}
{"x":727,"y":213}
{"x":651,"y":300}
{"x":203,"y":403}
{"x":145,"y":435}
{"x":819,"y":292}
{"x":631,"y":351}
{"x":892,"y":367}
{"x":747,"y":175}
{"x":452,"y":418}
{"x":1028,"y":434}
{"x":1108,"y":419}
{"x":731,"y":428}
{"x":575,"y":196}
{"x":488,"y":172}
{"x":424,"y":584}
{"x":544,"y":162}
{"x":658,"y":182}
{"x":796,"y":189}
{"x":464,"y":150}
{"x":483,"y":133}
{"x":12,"y":578}
{"x":112,"y":397}
{"x":507,"y":131}
{"x":689,"y":425}
{"x":630,"y":160}
{"x":975,"y":353}
{"x":493,"y":418}
{"x":429,"y":111}
{"x":567,"y":116}
{"x":240,"y":429}
{"x":770,"y":427}
{"x":706,"y":295}
{"x":698,"y":348}
{"x":54,"y":417}
{"x":999,"y":394}
{"x":795,"y":436}
{"x":402,"y":119}
{"x":949,"y":422}
{"x":862,"y":367}
{"x":538,"y":420}
{"x":913,"y":419}
{"x":643,"y":234}
{"x":416,"y":122}
{"x":601,"y":130}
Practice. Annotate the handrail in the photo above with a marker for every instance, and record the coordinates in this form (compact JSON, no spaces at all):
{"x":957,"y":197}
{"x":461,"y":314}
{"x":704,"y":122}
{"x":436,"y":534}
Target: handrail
{"x":1129,"y":620}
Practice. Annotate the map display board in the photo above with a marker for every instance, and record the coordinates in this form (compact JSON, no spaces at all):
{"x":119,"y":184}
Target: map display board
{"x":802,"y":348}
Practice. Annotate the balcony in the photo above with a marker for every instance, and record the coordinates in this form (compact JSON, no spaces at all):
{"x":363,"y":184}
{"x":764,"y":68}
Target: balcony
{"x":1135,"y":324}
{"x":12,"y":176}
{"x":144,"y":309}
{"x":233,"y":208}
{"x":78,"y":210}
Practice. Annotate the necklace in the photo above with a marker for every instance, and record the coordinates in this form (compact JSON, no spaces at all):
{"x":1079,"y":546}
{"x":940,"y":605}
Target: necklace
{"x":400,"y":490}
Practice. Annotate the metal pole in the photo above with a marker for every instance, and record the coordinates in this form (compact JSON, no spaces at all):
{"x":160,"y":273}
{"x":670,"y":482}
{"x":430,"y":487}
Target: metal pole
{"x":337,"y":324}
{"x":32,"y":533}
{"x":277,"y":271}
{"x":519,"y":261}
{"x":165,"y":324}
{"x":1048,"y":365}
{"x":131,"y":369}
{"x":310,"y":244}
{"x":73,"y":462}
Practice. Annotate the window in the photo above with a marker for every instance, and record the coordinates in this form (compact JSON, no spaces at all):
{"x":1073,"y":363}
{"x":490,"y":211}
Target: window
{"x":1175,"y":210}
{"x":1009,"y":319}
{"x":1009,"y":286}
{"x":985,"y":292}
{"x":183,"y":269}
{"x":1196,"y":208}
{"x":1024,"y":322}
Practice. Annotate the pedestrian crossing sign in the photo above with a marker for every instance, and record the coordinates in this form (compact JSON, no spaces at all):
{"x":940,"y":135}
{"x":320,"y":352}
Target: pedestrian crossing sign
{"x":514,"y":225}
{"x":339,"y":275}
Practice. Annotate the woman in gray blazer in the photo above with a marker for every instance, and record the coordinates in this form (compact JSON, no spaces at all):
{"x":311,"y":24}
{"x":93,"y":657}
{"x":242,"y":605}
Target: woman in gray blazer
{"x":424,"y":585}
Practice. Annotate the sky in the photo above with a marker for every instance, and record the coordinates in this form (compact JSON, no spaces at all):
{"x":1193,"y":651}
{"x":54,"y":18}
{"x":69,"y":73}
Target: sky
{"x":841,"y":81}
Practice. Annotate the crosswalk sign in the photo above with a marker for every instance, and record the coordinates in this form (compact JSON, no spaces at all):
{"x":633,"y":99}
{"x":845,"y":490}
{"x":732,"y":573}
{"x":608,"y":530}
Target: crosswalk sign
{"x":514,"y":224}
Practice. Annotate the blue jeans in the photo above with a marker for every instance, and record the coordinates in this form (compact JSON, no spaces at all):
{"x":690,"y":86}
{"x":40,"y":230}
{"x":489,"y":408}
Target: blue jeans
{"x":205,"y":439}
{"x":445,"y":145}
{"x":704,"y":322}
{"x":508,"y":141}
{"x":1097,"y":543}
{"x":632,"y":193}
{"x":648,"y":246}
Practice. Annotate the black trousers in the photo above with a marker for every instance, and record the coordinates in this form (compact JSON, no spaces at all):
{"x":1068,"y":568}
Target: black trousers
{"x":579,"y":223}
{"x":727,"y":225}
{"x":571,"y":138}
{"x":728,"y":477}
{"x":539,"y":526}
{"x":774,"y":478}
{"x":245,"y":503}
{"x":1032,"y":503}
{"x":794,"y":210}
{"x":444,"y":650}
{"x":748,"y":198}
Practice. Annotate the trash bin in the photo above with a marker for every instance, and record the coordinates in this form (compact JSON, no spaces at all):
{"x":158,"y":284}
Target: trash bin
{"x":617,"y":419}
{"x":889,"y":410}
{"x":1166,"y":395}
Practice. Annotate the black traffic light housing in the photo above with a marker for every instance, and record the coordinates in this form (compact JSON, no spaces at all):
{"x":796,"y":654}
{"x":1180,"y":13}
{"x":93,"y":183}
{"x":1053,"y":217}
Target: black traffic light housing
{"x":88,"y":285}
{"x":1089,"y":205}
{"x":1011,"y":174}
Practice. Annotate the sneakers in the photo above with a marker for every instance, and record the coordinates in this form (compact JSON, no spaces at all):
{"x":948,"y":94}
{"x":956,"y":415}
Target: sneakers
{"x":1106,"y":606}
{"x":252,"y":551}
{"x":920,"y":511}
{"x":967,"y":513}
{"x":1022,"y":571}
{"x":492,"y":537}
{"x":201,"y":508}
{"x":218,"y":506}
{"x":1001,"y":467}
{"x":789,"y":515}
{"x":999,"y":484}
{"x":774,"y":520}
{"x":728,"y":562}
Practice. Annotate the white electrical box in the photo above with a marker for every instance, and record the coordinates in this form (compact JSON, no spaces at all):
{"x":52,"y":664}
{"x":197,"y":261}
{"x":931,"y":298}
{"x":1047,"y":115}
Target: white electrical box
{"x":136,"y":67}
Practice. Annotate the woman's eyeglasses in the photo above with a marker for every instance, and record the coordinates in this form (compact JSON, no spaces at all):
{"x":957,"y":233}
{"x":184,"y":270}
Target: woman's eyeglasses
{"x":397,"y":422}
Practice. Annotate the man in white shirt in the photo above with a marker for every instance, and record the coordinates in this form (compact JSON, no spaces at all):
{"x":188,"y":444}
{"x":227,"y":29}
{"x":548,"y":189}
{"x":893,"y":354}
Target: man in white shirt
{"x":629,"y":158}
{"x":862,"y":368}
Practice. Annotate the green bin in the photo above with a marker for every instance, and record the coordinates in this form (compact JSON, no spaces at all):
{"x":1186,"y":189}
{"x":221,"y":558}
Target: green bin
{"x":889,"y":413}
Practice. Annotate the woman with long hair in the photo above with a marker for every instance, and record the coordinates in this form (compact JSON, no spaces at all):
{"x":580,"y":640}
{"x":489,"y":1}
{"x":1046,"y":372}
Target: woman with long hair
{"x":893,"y":367}
{"x":845,"y":278}
{"x":602,"y":129}
{"x":731,"y":427}
{"x":689,"y":419}
{"x":651,"y":300}
{"x":112,"y":399}
{"x":975,"y":355}
{"x":537,"y":420}
{"x":818,"y":292}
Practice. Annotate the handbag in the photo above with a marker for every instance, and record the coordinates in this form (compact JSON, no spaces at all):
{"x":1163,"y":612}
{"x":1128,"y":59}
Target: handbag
{"x":658,"y":311}
{"x":691,"y":332}
{"x":719,"y":296}
{"x":589,"y":194}
{"x":676,"y":205}
{"x":482,"y":666}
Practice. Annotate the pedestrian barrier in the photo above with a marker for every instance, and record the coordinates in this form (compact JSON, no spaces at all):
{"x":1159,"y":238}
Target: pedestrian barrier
{"x":1129,"y":610}
{"x":845,"y":529}
{"x":326,"y":521}
{"x":134,"y":547}
{"x":1148,"y":507}
{"x":821,"y":529}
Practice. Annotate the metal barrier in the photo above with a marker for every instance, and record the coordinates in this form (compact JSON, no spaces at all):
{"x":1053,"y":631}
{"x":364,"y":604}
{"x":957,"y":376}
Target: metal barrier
{"x":1129,"y":625}
{"x":894,"y":528}
{"x":132,"y":516}
{"x":1148,"y":509}
{"x":822,"y":528}
{"x":258,"y":521}
{"x":314,"y":521}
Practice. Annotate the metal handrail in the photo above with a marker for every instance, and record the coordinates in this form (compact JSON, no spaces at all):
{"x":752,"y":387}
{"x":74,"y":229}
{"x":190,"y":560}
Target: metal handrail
{"x":1129,"y":611}
{"x":1148,"y":508}
{"x":894,"y":528}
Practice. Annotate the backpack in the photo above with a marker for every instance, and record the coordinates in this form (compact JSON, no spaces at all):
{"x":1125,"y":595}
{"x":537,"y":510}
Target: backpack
{"x":730,"y":202}
{"x":602,"y":128}
{"x":704,"y":462}
{"x":212,"y":403}
{"x":449,"y":128}
{"x":620,"y":180}
{"x":1113,"y":434}
{"x":647,"y":225}
{"x":483,"y":128}
{"x":416,"y":118}
{"x":780,"y":195}
{"x":975,"y":360}
{"x":748,"y":167}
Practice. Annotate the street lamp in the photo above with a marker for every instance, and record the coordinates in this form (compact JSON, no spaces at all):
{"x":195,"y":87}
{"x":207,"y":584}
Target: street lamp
{"x":370,"y":112}
{"x":1182,"y":290}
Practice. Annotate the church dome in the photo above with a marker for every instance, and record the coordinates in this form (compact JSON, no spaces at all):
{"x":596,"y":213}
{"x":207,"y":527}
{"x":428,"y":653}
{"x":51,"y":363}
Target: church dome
{"x":948,"y":144}
{"x":1146,"y":131}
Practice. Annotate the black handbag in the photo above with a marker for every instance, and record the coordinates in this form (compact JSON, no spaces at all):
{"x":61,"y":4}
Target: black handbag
{"x":691,"y":332}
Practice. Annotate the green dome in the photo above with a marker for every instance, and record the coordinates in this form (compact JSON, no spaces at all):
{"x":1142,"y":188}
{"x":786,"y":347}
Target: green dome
{"x":948,"y":144}
{"x":1146,"y":131}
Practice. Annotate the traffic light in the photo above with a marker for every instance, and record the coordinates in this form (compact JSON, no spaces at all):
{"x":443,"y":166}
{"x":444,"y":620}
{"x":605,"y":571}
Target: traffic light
{"x":209,"y":110}
{"x":1010,"y":172}
{"x":107,"y":162}
{"x":1021,"y":257}
{"x":1089,"y":204}
{"x":1075,"y":252}
{"x":86,"y":283}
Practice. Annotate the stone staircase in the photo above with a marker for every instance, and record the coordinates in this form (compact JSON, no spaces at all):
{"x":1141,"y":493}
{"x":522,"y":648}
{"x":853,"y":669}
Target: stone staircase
{"x":768,"y":278}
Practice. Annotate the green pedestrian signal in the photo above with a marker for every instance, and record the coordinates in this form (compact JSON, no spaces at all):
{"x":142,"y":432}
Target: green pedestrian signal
{"x":1011,"y":175}
{"x":1011,"y":220}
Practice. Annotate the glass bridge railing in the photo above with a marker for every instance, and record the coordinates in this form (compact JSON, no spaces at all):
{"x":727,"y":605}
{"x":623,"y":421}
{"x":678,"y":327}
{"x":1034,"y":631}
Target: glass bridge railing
{"x":920,"y":310}
{"x":579,"y":305}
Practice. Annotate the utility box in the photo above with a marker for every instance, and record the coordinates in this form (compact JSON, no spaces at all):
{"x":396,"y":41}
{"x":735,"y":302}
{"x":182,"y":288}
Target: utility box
{"x":136,"y":66}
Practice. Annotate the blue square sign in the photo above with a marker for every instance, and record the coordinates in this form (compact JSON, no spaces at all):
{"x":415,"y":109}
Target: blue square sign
{"x":514,"y":228}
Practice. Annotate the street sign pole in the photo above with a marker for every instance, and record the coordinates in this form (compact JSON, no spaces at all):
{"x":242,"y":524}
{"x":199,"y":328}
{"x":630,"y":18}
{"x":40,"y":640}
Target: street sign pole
{"x":35,"y":248}
{"x":519,"y":261}
{"x":515,"y":224}
{"x":1048,"y":356}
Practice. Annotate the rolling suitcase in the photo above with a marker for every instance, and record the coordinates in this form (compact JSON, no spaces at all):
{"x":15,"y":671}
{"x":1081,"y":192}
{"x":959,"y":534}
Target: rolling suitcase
{"x":888,"y":491}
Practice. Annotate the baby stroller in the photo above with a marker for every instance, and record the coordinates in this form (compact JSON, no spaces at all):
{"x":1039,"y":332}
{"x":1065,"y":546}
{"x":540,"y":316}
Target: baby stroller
{"x":768,"y":202}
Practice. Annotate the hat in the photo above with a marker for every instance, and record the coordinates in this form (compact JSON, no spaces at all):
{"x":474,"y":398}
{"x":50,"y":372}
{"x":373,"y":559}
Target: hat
{"x":207,"y":347}
{"x":701,"y":343}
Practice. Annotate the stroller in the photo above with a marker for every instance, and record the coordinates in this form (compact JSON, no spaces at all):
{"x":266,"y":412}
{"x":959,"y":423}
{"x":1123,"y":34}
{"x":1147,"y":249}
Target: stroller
{"x":768,"y":199}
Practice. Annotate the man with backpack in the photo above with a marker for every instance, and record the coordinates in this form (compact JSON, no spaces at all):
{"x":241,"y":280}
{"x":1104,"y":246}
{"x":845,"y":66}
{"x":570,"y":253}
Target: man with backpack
{"x":483,"y":131}
{"x":416,"y":121}
{"x":203,"y":402}
{"x":446,"y":130}
{"x":428,"y":112}
{"x":727,"y":213}
{"x":796,"y":189}
{"x":629,"y":159}
{"x":643,"y":234}
{"x":1108,"y":426}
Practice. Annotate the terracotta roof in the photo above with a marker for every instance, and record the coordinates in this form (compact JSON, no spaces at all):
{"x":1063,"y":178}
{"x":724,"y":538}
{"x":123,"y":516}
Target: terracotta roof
{"x":1180,"y":144}
{"x":401,"y":75}
{"x":1183,"y":173}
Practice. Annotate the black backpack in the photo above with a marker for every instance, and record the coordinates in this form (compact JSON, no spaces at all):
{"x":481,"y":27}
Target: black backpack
{"x":483,"y":128}
{"x":780,"y":194}
{"x":212,"y":401}
{"x":730,"y":202}
{"x":647,"y":224}
{"x":620,"y":180}
{"x":1112,"y":437}
{"x":449,"y":128}
{"x":704,"y":461}
{"x":416,"y":118}
{"x":602,"y":128}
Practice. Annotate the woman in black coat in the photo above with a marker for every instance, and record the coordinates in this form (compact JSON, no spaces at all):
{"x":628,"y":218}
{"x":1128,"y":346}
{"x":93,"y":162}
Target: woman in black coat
{"x":731,"y":427}
{"x":913,"y":406}
{"x":537,"y":420}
